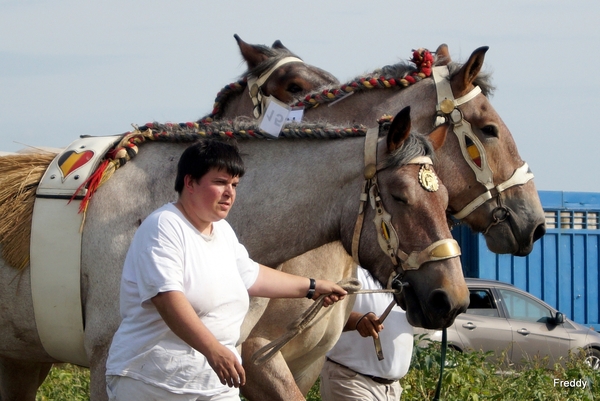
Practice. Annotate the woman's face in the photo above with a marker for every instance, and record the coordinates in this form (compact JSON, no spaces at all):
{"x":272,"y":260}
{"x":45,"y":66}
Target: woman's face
{"x":211,"y":197}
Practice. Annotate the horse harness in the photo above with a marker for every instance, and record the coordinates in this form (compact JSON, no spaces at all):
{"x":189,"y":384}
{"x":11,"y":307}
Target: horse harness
{"x":255,"y":85}
{"x":387,"y":237}
{"x":473,"y":150}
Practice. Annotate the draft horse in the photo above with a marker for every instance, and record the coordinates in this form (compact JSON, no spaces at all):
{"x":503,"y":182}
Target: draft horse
{"x":506,"y":208}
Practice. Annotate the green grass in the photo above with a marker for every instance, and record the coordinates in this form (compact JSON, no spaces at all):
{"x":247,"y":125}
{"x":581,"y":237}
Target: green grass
{"x":65,"y":383}
{"x":472,"y":376}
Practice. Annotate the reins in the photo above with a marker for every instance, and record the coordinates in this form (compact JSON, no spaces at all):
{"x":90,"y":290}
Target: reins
{"x":351,"y":285}
{"x":389,"y":243}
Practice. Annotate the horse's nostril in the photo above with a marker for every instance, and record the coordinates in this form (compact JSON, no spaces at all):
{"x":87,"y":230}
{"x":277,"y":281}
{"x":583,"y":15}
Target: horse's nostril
{"x":539,"y":232}
{"x":439,"y":302}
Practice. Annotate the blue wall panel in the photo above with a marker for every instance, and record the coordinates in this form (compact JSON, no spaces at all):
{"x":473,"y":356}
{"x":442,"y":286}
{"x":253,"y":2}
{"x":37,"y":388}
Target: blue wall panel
{"x":563,"y":268}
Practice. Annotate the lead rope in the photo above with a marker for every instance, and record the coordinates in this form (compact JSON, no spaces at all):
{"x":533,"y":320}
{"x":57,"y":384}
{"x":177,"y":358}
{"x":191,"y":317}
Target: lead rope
{"x":351,"y":285}
{"x":442,"y":363}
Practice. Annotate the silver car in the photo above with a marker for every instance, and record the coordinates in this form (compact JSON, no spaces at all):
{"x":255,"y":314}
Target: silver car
{"x":502,"y":317}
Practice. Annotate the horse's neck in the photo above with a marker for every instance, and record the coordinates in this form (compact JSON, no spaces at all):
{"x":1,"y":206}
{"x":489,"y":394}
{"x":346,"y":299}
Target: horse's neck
{"x":368,"y":106}
{"x":238,"y":105}
{"x":296,"y":195}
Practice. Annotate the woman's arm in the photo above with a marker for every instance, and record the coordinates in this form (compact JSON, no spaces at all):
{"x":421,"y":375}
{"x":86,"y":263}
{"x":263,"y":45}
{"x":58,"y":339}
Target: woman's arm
{"x":181,"y":318}
{"x":272,"y":283}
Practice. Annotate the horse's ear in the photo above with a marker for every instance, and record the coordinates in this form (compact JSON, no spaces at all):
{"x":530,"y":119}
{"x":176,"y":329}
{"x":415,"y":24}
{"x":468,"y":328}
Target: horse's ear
{"x":443,"y":55}
{"x":251,"y":54}
{"x":399,"y":129}
{"x":278,"y":45}
{"x":470,"y":70}
{"x":437,"y":137}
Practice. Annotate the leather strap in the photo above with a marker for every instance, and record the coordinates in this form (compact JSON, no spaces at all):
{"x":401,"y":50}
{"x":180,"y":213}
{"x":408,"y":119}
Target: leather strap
{"x":255,"y":84}
{"x":369,"y":174}
{"x":521,"y":176}
{"x":440,"y":250}
{"x":448,"y":111}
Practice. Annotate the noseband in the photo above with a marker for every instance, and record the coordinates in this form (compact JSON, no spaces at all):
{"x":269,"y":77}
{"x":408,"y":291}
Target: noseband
{"x":255,"y":85}
{"x":387,"y":237}
{"x":472,"y":149}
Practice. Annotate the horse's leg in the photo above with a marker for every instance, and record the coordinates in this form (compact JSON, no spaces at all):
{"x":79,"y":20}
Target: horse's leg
{"x":20,"y":380}
{"x":98,"y":376}
{"x":310,"y":375}
{"x":296,"y":367}
{"x":272,"y":380}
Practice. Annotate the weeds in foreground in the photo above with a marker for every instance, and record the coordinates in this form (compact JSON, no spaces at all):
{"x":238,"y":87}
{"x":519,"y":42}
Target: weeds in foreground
{"x":470,"y":376}
{"x":475,"y":376}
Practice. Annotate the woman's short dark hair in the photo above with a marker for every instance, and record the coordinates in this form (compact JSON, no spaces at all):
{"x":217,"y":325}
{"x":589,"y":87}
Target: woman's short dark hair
{"x":207,"y":154}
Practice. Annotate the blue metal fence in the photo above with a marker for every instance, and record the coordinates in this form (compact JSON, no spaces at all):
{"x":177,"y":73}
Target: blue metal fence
{"x":564,"y":267}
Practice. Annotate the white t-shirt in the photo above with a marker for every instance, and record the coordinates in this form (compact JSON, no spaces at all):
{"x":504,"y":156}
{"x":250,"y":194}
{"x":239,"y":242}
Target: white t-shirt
{"x":214,"y":272}
{"x":358,"y":353}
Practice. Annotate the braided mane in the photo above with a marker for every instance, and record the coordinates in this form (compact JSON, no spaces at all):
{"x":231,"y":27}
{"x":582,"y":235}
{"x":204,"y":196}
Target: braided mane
{"x":400,"y":75}
{"x":239,"y":128}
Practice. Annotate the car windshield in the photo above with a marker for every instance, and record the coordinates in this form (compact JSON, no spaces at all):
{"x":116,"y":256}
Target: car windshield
{"x":521,"y":307}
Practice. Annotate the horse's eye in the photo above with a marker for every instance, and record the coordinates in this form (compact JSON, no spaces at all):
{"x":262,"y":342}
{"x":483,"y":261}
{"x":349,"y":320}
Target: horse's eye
{"x":399,"y":199}
{"x":294,"y":88}
{"x":490,"y":130}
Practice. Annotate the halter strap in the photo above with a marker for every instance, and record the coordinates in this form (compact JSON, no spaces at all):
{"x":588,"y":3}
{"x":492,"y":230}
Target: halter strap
{"x":255,"y":84}
{"x":439,"y":250}
{"x":387,"y":237}
{"x":521,"y":176}
{"x":471,"y":147}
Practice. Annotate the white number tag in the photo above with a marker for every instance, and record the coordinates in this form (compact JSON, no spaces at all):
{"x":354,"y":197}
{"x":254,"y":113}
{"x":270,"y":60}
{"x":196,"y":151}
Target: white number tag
{"x":274,"y":117}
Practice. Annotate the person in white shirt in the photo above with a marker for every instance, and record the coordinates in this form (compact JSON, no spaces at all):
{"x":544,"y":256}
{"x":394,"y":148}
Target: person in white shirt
{"x":185,"y":290}
{"x":352,"y":370}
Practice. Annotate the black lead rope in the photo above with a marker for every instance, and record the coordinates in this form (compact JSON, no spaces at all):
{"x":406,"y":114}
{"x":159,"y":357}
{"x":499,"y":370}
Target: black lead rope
{"x":442,"y":363}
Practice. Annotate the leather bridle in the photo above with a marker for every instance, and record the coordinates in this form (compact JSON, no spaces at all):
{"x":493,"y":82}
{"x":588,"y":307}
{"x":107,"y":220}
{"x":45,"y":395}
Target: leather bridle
{"x":473,"y":150}
{"x":387,"y":236}
{"x":255,"y":85}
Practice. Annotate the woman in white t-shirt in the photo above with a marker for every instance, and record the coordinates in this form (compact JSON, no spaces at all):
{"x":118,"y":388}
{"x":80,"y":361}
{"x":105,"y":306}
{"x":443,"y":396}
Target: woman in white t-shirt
{"x":185,"y":290}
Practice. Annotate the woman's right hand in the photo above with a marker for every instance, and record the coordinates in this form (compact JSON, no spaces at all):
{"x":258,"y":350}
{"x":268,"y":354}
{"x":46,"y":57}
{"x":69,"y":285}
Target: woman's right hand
{"x":226,"y":365}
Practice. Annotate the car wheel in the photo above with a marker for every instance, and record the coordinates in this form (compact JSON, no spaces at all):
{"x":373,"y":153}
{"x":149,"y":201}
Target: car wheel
{"x":593,"y":358}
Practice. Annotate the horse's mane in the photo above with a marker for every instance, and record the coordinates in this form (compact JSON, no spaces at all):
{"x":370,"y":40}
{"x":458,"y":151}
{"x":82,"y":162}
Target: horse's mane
{"x":21,"y":174}
{"x":415,"y":145}
{"x":241,"y":128}
{"x":400,"y":76}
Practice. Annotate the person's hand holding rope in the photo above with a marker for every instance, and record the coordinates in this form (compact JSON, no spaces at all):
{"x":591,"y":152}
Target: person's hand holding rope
{"x":332,"y":291}
{"x":367,"y":325}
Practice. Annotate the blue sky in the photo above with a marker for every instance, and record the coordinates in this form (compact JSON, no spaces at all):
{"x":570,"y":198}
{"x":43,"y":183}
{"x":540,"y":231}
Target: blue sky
{"x":69,"y":68}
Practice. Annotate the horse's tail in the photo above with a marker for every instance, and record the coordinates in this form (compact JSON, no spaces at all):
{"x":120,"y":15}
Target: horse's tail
{"x":20,"y":175}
